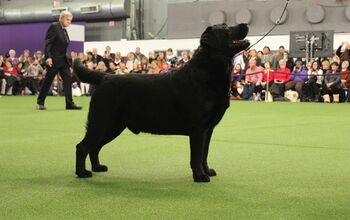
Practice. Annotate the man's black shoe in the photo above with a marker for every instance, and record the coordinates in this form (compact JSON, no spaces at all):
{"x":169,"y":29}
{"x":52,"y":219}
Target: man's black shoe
{"x":40,"y":107}
{"x":73,"y":107}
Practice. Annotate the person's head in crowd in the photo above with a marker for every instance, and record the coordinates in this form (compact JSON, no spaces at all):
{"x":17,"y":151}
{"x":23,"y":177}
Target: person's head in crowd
{"x":325,"y":65}
{"x":26,"y":53}
{"x":169,"y":53}
{"x":94,"y":51}
{"x":90,"y":56}
{"x":19,"y":66}
{"x":108,"y":49}
{"x":151,"y":55}
{"x":267,"y":65}
{"x":314,"y":65}
{"x":112,"y":66}
{"x":237,"y":68}
{"x":309,"y":66}
{"x":8,"y":63}
{"x":260,"y":53}
{"x":282,"y":64}
{"x":138,"y":51}
{"x":253,"y":53}
{"x":131,"y":56}
{"x":90,"y":65}
{"x":38,"y":55}
{"x":185,"y":56}
{"x":118,"y":55}
{"x":345,"y":65}
{"x":73,"y":54}
{"x":12,"y":53}
{"x":252,"y":63}
{"x":144,"y":62}
{"x":161,"y":55}
{"x":335,"y":67}
{"x":285,"y":55}
{"x":81,"y":56}
{"x":101,"y":66}
{"x":65,"y":18}
{"x":154,"y":65}
{"x":266,"y":50}
{"x":281,"y":49}
{"x":298,"y":65}
{"x":122,"y":66}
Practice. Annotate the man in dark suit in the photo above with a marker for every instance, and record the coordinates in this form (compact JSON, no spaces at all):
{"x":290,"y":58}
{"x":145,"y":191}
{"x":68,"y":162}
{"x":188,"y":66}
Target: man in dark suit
{"x":56,"y":43}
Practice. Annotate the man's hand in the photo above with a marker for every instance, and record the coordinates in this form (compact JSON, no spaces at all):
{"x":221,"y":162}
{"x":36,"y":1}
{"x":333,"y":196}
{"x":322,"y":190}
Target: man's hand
{"x":49,"y":62}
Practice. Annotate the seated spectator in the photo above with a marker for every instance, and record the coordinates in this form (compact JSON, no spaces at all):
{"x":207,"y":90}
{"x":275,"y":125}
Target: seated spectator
{"x":253,"y":79}
{"x":144,"y":65}
{"x":253,"y":54}
{"x":268,"y":78}
{"x":12,"y":56}
{"x":266,"y":56}
{"x":161,"y":60}
{"x":297,"y":79}
{"x":101,"y":66}
{"x":277,"y":57}
{"x":151,"y":56}
{"x":25,"y":59}
{"x":11,"y":76}
{"x":281,"y":77}
{"x":32,"y":77}
{"x":332,"y":86}
{"x":96,"y":58}
{"x":132,"y":60}
{"x":112,"y":68}
{"x":185,"y":57}
{"x":171,"y":59}
{"x":345,"y":75}
{"x":118,"y":58}
{"x":311,"y":91}
{"x":122,"y":69}
{"x":326,"y":65}
{"x":154,"y":68}
{"x":85,"y":87}
{"x":237,"y":85}
{"x":39,"y":56}
{"x":82,"y":57}
{"x":138,"y":53}
{"x":289,"y":60}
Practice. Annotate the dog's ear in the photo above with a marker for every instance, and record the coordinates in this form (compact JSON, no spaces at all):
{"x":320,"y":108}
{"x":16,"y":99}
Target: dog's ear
{"x":208,"y":38}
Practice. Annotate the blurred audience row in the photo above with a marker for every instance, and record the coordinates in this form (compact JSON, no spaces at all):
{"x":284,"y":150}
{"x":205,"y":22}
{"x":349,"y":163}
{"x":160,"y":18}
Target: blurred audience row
{"x":256,"y":75}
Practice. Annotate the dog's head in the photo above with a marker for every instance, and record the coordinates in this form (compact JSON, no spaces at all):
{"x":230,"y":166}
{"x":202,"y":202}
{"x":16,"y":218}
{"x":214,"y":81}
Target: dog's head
{"x":226,"y":40}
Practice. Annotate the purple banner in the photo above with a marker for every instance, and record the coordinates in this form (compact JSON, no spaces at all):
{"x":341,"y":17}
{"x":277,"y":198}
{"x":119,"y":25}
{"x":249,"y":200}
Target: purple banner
{"x":29,"y":36}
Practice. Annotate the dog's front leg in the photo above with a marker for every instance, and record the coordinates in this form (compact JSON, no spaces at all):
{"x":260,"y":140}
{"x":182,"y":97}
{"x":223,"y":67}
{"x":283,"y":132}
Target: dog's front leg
{"x":197,"y":150}
{"x":207,"y":137}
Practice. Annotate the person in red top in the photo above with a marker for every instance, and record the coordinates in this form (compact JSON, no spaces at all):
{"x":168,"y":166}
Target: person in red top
{"x":268,"y":77}
{"x":11,"y":76}
{"x":281,"y":77}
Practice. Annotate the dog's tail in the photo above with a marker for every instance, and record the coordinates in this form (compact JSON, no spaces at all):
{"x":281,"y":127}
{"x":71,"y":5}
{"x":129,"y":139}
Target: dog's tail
{"x":86,"y":75}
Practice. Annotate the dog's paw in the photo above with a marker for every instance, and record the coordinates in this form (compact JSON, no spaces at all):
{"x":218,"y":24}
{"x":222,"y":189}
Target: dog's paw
{"x":210,"y":172}
{"x":100,"y":168}
{"x":203,"y":178}
{"x":84,"y":174}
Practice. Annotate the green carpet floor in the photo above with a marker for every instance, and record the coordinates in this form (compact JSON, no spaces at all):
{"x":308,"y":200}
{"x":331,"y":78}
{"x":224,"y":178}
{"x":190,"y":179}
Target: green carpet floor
{"x":274,"y":161}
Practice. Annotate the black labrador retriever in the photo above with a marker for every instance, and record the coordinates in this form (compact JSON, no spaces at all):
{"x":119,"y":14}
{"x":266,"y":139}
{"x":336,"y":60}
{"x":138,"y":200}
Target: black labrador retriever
{"x":188,"y":101}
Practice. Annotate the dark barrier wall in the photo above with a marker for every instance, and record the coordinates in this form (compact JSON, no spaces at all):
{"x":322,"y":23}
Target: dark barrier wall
{"x":29,"y":36}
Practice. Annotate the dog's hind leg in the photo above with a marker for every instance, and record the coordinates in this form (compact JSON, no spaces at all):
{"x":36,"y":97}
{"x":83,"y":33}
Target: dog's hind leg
{"x":207,"y":137}
{"x":197,"y":151}
{"x":94,"y":153}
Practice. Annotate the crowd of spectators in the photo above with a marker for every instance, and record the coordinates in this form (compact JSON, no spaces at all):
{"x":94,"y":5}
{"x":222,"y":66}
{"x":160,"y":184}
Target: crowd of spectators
{"x":24,"y":74}
{"x":263,"y":75}
{"x":256,"y":75}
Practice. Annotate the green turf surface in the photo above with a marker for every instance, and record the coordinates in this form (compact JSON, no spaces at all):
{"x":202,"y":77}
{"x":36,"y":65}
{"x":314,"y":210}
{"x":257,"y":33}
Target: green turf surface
{"x":274,"y":161}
